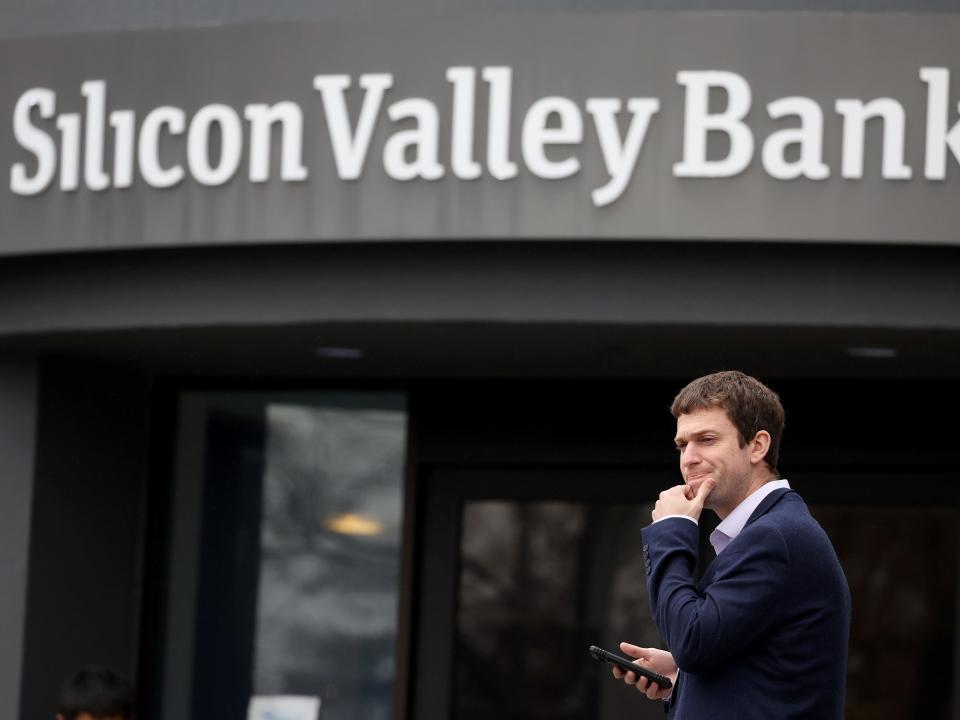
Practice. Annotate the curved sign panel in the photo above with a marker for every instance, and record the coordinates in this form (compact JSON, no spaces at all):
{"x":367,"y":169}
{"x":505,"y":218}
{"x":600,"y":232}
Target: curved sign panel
{"x":738,"y":126}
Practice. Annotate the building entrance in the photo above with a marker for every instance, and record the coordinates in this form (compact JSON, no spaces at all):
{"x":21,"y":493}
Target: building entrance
{"x":522,"y":569}
{"x":301,"y":554}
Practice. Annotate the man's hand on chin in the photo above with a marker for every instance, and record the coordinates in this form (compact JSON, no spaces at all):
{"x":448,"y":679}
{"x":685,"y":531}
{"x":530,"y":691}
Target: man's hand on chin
{"x":680,"y":500}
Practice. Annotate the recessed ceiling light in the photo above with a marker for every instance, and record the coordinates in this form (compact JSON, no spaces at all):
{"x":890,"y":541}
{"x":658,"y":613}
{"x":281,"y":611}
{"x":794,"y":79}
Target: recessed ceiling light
{"x":873,"y":353}
{"x":342,"y":353}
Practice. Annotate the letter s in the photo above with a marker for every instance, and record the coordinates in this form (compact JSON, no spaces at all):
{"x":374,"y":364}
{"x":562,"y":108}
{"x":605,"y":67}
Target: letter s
{"x":35,"y":140}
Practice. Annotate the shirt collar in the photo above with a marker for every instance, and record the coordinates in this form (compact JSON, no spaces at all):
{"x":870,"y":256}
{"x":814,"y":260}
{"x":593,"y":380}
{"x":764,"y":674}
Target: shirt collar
{"x":732,"y":524}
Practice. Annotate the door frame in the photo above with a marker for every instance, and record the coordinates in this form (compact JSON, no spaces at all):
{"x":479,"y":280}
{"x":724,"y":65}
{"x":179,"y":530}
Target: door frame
{"x":443,"y":491}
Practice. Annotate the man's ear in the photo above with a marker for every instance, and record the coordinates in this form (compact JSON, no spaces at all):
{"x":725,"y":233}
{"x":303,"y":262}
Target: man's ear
{"x":759,"y":446}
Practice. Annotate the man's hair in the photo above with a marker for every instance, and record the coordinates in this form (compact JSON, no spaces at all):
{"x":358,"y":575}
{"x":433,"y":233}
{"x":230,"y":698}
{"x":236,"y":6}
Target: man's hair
{"x":750,"y":405}
{"x":98,"y":692}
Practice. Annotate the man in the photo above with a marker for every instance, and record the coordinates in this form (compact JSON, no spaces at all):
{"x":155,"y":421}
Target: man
{"x":764,"y":633}
{"x":96,"y":694}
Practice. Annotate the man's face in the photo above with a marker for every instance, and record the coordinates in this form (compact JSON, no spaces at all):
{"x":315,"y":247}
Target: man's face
{"x":709,"y":447}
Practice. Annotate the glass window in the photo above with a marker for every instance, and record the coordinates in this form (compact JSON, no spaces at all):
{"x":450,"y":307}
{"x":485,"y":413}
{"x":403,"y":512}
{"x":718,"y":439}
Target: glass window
{"x":901,"y":564}
{"x":285,"y":553}
{"x":539,"y":580}
{"x":539,"y":583}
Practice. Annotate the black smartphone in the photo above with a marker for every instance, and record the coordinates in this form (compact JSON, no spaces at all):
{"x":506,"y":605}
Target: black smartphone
{"x":627,"y":664}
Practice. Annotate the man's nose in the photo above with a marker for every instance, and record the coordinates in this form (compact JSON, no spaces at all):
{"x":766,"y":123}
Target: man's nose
{"x":689,"y":456}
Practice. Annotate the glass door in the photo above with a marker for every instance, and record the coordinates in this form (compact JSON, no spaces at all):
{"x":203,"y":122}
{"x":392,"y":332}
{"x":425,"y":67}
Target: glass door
{"x":285,"y":552}
{"x":521,"y":570}
{"x":541,"y":564}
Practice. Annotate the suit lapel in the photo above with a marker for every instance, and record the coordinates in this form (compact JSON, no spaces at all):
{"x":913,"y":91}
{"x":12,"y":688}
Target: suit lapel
{"x":767,"y":504}
{"x":764,"y":507}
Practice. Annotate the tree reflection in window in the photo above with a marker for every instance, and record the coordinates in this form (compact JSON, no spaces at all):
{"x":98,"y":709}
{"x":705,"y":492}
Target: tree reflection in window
{"x":330,"y":551}
{"x":539,"y":583}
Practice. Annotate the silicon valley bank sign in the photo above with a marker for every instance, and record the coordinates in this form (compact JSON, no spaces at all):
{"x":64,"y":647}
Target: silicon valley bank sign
{"x":411,"y":154}
{"x":665,"y":126}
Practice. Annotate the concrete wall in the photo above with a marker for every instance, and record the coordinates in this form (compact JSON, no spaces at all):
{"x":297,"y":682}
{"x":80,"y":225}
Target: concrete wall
{"x":18,"y":391}
{"x":85,"y":576}
{"x":41,"y":17}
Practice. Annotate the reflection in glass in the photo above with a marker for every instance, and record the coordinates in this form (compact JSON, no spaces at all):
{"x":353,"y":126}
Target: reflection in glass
{"x":539,"y":583}
{"x":901,"y":564}
{"x":330,"y":550}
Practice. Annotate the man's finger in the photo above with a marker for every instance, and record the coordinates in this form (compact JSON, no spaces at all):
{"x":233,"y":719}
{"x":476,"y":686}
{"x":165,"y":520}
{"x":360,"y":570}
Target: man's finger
{"x":635,"y":651}
{"x":703,"y":492}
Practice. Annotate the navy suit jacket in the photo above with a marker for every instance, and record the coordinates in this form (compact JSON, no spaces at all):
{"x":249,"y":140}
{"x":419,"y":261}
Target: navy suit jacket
{"x":764,"y":633}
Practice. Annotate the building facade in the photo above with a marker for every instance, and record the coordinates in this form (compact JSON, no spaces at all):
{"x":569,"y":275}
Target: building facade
{"x":337,"y":342}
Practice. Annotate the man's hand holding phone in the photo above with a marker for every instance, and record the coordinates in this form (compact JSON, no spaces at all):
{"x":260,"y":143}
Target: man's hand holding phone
{"x":660,"y":661}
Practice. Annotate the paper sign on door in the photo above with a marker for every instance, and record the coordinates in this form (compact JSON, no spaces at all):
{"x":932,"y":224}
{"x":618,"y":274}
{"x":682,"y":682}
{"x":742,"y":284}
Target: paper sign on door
{"x":284,"y":707}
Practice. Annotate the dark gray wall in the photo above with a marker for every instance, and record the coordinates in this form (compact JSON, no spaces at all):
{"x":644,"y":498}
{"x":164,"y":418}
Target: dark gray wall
{"x":622,"y":283}
{"x":18,"y":385}
{"x":41,"y":17}
{"x":85,"y":577}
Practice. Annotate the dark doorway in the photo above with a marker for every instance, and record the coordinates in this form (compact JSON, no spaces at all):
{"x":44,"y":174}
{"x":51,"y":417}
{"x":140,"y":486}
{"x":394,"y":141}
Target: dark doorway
{"x":522,"y":569}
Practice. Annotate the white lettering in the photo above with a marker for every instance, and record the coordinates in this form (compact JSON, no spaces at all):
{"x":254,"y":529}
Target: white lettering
{"x":619,"y":156}
{"x":698,"y":122}
{"x":148,"y":148}
{"x":34,"y":140}
{"x":423,"y":139}
{"x":69,"y":126}
{"x":350,"y":150}
{"x":464,"y":81}
{"x":262,"y":118}
{"x":536,"y":135}
{"x":95,"y":91}
{"x":498,"y":123}
{"x":198,"y":144}
{"x":809,"y":136}
{"x":211,"y":144}
{"x":938,"y":112}
{"x":855,"y":114}
{"x":123,"y":122}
